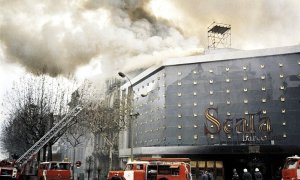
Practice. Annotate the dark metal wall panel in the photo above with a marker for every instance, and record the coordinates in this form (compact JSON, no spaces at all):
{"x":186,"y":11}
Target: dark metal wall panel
{"x":266,"y":87}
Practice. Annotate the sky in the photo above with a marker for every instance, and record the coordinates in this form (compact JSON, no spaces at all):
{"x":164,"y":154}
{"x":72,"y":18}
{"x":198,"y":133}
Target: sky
{"x":98,"y":38}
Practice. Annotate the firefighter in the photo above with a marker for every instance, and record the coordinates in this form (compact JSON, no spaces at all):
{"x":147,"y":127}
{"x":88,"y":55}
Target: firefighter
{"x":235,"y":175}
{"x":247,"y":175}
{"x":257,"y":174}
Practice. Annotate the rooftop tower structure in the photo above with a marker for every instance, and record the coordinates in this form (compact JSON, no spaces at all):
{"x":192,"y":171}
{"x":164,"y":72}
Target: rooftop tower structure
{"x":219,"y":36}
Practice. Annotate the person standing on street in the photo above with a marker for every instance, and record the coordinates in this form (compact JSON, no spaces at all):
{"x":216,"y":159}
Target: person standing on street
{"x":235,"y":175}
{"x":205,"y":176}
{"x":247,"y":175}
{"x":257,"y":174}
{"x":210,"y":175}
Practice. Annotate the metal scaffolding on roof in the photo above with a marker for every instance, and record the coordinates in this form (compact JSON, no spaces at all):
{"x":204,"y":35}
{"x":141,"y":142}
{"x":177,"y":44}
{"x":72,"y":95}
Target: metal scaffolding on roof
{"x":219,"y":36}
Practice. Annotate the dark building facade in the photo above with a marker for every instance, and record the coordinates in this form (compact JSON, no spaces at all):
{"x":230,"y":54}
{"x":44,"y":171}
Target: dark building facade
{"x":235,"y":109}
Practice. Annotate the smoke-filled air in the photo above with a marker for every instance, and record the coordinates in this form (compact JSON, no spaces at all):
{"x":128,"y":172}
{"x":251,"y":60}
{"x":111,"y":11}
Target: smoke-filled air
{"x":60,"y":36}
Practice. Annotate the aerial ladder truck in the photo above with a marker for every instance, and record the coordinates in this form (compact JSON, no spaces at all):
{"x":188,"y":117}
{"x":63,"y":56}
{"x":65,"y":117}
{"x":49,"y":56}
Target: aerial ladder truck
{"x":22,"y":167}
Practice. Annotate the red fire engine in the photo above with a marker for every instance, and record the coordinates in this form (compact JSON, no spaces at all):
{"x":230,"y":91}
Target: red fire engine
{"x":54,"y":170}
{"x":26,"y":167}
{"x":291,"y":169}
{"x":7,"y":170}
{"x":154,"y":169}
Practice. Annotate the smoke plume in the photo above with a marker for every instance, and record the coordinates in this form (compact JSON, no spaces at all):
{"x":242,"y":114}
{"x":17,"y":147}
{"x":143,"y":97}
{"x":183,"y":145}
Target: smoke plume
{"x":58,"y":37}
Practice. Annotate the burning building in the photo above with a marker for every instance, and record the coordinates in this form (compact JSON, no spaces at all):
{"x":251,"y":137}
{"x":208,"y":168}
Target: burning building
{"x":235,"y":109}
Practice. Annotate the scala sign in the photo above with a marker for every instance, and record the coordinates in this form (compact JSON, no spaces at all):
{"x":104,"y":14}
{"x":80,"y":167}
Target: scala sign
{"x":248,"y":125}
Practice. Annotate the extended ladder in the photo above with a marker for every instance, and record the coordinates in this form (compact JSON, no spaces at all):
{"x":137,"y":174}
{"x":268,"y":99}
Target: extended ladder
{"x":48,"y":136}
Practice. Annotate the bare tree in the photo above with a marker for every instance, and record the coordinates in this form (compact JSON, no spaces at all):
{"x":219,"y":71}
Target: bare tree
{"x":75,"y":136}
{"x":33,"y":105}
{"x":101,"y":115}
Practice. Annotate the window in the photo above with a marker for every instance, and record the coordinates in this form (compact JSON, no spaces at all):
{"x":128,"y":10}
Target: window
{"x":129,"y":167}
{"x":139,"y":166}
{"x":290,"y":164}
{"x":64,"y":166}
{"x":53,"y":166}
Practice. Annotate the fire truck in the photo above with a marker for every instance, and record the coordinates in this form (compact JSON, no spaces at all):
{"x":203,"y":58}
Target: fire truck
{"x":26,"y":167}
{"x":154,"y":169}
{"x":54,"y":170}
{"x":291,"y":169}
{"x":7,"y":170}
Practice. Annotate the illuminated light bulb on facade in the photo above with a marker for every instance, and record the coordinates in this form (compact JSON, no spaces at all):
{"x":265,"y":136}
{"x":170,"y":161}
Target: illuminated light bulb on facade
{"x":179,"y":73}
{"x":211,"y":103}
{"x":245,"y":89}
{"x":195,"y":82}
{"x":211,"y":126}
{"x":282,"y":111}
{"x":211,"y":92}
{"x":227,"y":102}
{"x":211,"y":71}
{"x":229,"y":136}
{"x":284,"y":135}
{"x":211,"y":81}
{"x":195,"y":136}
{"x":228,"y":113}
{"x":179,"y":105}
{"x":284,"y":123}
{"x":263,"y":100}
{"x":195,"y":126}
{"x":298,"y":62}
{"x":179,"y":126}
{"x":228,"y":125}
{"x":195,"y":115}
{"x":227,"y":69}
{"x":282,"y":99}
{"x":195,"y":72}
{"x":281,"y":87}
{"x":245,"y":101}
{"x":195,"y":104}
{"x":263,"y":88}
{"x":179,"y":94}
{"x":179,"y":115}
{"x":246,"y":112}
{"x":227,"y":91}
{"x":211,"y":136}
{"x":228,"y":80}
{"x":281,"y":75}
{"x":179,"y":83}
{"x":263,"y":77}
{"x":244,"y":67}
{"x":262,"y":66}
{"x":195,"y":93}
{"x":264,"y":112}
{"x":245,"y":78}
{"x":179,"y":137}
{"x":280,"y":64}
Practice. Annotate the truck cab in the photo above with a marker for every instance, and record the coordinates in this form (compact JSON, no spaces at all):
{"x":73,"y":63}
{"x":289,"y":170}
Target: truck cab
{"x":54,"y":170}
{"x":7,"y":170}
{"x":291,"y":169}
{"x":154,"y":169}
